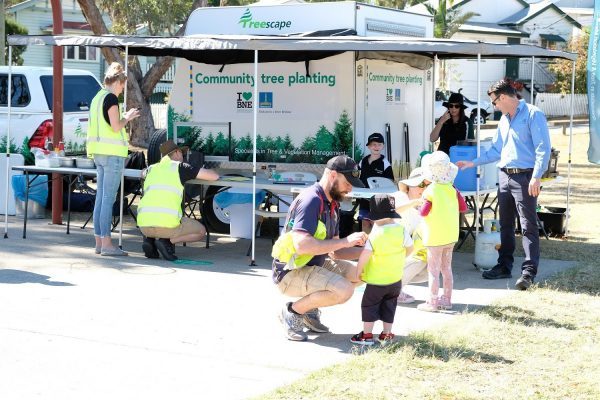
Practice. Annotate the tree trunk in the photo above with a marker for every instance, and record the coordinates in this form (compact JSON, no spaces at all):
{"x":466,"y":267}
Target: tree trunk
{"x":139,"y":86}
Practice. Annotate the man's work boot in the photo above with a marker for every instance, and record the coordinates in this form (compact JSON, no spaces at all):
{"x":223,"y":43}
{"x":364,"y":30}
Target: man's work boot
{"x":166,"y":249}
{"x":524,"y":282}
{"x":498,"y":272}
{"x":149,"y":247}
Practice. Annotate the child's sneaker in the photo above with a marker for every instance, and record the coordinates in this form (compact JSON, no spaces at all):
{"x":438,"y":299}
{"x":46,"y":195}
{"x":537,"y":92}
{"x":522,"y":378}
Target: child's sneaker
{"x":385,"y":338}
{"x":363,"y":338}
{"x":405,"y":298}
{"x":444,"y":303}
{"x":429,"y":306}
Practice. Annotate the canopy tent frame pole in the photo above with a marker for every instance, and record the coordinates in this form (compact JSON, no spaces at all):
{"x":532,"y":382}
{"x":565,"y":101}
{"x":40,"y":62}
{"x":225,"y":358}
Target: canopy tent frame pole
{"x":254,"y":117}
{"x":478,"y":144}
{"x":9,"y":101}
{"x":570,"y":150}
{"x":531,"y":99}
{"x":433,"y":78}
{"x":122,"y":171}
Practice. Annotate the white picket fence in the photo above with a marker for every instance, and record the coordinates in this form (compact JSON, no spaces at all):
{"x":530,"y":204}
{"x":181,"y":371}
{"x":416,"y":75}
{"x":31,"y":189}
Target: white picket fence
{"x":159,"y":113}
{"x":559,"y":105}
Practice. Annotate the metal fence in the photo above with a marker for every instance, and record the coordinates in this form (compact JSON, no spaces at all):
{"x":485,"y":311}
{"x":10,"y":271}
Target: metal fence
{"x":559,"y":105}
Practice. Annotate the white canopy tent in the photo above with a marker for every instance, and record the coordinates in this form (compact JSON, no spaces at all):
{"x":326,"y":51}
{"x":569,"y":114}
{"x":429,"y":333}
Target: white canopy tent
{"x":233,"y":49}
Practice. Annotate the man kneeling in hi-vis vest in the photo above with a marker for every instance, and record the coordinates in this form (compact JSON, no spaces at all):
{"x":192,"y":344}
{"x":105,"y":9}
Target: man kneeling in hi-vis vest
{"x":160,"y":216}
{"x":300,"y":264}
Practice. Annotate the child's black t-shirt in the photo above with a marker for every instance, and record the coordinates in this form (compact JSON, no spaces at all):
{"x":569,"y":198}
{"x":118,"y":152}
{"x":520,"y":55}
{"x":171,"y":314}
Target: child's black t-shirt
{"x":378,"y":168}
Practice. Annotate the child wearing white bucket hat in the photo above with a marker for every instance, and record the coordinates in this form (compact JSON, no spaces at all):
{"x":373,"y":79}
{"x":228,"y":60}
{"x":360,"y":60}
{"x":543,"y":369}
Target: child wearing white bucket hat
{"x":441,"y":207}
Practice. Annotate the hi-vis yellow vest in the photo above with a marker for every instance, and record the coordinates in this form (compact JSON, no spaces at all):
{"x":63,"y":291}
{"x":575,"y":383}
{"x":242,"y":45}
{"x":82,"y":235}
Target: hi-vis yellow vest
{"x":284,"y":250}
{"x":440,"y":227}
{"x":101,"y":139}
{"x":160,"y":205}
{"x":386,"y":265}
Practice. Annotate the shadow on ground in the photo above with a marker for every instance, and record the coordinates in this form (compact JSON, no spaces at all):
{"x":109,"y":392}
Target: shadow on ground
{"x":518,"y":315}
{"x":15,"y":276}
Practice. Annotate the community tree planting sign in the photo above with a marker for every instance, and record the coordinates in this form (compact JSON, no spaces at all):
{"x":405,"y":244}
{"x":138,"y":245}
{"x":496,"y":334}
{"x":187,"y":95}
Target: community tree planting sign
{"x":305,"y":114}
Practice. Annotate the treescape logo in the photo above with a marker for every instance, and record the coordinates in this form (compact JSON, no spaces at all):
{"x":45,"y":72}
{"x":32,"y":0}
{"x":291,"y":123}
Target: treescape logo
{"x":247,"y":22}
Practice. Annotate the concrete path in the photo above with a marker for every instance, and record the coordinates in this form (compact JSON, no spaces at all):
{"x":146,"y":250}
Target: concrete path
{"x":74,"y":325}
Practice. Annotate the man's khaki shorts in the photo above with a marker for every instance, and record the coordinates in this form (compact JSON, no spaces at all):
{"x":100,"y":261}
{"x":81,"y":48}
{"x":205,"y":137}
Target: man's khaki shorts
{"x":187,"y":226}
{"x":310,"y":279}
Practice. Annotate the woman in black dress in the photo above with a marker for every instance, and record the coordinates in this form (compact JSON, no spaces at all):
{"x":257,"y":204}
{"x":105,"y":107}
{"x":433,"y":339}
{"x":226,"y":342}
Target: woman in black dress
{"x":453,"y":126}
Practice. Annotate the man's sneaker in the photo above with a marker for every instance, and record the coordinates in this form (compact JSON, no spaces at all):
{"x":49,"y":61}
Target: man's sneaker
{"x":363,"y":338}
{"x":444,"y":303}
{"x":385,"y":338}
{"x":498,"y":272}
{"x":312,"y":320}
{"x":166,"y":249}
{"x":292,"y":325}
{"x":524,"y":282}
{"x":405,"y":298}
{"x":149,"y":248}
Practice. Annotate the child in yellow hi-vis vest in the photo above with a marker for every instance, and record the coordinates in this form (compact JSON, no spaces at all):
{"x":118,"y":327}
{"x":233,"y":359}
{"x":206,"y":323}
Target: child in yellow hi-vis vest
{"x":381,"y":265}
{"x":441,"y":208}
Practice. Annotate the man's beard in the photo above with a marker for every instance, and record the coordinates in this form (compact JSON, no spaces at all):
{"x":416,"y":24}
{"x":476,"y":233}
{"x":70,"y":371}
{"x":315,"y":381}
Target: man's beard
{"x":335,"y":192}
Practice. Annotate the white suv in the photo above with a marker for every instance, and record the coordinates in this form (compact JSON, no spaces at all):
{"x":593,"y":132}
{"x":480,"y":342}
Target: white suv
{"x":31,"y":111}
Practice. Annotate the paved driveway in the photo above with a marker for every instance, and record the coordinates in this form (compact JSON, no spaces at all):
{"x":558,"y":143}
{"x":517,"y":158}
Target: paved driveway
{"x":74,"y":325}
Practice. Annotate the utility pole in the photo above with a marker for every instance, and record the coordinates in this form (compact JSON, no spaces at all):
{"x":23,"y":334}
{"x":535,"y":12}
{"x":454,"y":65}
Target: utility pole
{"x":57,"y":107}
{"x":2,"y":33}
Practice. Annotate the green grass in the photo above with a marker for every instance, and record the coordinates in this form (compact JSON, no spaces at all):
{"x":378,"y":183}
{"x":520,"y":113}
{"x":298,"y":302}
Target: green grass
{"x":539,"y":344}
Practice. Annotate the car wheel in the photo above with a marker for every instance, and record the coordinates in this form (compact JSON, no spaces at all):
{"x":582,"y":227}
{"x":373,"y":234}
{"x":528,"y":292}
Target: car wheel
{"x":215,"y":217}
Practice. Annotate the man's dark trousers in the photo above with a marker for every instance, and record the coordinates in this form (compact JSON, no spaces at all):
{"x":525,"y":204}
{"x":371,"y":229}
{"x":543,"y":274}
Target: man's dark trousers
{"x":513,"y":200}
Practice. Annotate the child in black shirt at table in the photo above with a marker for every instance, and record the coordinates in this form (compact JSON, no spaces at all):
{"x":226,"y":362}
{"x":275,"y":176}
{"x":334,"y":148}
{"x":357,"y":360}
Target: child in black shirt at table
{"x":373,"y":165}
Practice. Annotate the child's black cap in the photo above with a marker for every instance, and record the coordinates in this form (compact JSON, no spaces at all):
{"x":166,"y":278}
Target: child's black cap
{"x":375,"y":137}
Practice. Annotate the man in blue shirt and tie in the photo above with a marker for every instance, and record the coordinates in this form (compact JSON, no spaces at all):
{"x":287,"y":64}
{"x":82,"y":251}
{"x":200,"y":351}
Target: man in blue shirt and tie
{"x":521,"y":148}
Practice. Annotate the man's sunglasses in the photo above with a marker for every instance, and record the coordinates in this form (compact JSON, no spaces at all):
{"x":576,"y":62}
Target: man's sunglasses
{"x":422,"y":185}
{"x":449,"y":106}
{"x":354,"y":172}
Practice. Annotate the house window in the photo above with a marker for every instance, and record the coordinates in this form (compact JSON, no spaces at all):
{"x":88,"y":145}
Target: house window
{"x":80,"y":53}
{"x":548,"y":44}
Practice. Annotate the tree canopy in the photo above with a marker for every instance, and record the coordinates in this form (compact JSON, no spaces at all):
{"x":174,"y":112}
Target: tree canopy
{"x":563,"y":68}
{"x":13,"y":28}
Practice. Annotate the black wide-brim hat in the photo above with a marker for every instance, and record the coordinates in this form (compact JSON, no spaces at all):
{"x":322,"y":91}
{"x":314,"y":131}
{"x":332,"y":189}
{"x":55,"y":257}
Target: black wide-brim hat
{"x":455,"y":98}
{"x":382,"y":206}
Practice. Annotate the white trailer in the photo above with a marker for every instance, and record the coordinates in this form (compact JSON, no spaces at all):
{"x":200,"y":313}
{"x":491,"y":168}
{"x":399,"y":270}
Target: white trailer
{"x":308,"y":109}
{"x":302,"y":103}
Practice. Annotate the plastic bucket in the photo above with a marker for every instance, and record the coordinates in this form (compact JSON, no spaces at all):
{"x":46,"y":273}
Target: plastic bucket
{"x":466,"y":179}
{"x":489,"y":171}
{"x":35,"y":210}
{"x":240,"y":216}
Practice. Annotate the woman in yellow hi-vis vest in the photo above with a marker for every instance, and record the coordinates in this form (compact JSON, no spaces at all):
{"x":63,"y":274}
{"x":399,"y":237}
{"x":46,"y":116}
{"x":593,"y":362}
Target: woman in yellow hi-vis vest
{"x":107,"y":144}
